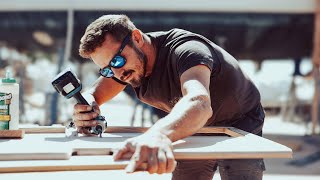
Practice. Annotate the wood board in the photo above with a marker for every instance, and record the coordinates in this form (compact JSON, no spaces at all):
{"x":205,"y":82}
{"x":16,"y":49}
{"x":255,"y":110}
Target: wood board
{"x":10,"y":134}
{"x":55,"y":152}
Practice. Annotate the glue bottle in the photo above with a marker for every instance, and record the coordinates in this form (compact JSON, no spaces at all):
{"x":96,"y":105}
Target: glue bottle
{"x":9,"y":103}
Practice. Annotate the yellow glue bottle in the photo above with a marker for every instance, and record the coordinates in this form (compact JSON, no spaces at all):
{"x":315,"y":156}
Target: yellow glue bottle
{"x":9,"y":103}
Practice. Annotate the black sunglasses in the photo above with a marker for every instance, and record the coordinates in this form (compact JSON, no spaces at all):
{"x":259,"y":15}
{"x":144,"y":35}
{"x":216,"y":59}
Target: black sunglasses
{"x":117,"y":61}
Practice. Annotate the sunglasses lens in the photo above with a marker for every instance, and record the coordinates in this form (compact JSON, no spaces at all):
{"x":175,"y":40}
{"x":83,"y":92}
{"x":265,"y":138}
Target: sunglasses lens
{"x":117,"y":62}
{"x":106,"y":72}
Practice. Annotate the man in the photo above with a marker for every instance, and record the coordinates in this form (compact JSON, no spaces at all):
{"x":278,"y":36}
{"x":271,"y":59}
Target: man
{"x":195,"y":81}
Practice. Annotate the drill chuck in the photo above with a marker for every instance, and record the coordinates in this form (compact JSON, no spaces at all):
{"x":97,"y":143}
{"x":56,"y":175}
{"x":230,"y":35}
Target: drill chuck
{"x":100,"y":127}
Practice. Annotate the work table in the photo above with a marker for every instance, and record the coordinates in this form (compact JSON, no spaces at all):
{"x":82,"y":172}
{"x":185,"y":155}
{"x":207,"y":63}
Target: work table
{"x":46,"y":149}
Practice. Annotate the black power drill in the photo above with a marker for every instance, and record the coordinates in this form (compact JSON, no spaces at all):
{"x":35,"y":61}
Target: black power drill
{"x":68,"y":85}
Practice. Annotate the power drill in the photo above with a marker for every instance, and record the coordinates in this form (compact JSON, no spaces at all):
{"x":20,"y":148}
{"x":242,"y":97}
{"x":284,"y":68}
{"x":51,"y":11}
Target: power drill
{"x":68,"y":85}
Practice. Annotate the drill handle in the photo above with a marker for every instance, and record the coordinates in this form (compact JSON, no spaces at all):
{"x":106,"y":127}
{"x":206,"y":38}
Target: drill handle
{"x":80,"y":99}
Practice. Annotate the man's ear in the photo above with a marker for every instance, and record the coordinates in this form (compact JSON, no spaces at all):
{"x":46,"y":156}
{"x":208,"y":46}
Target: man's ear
{"x":137,"y":38}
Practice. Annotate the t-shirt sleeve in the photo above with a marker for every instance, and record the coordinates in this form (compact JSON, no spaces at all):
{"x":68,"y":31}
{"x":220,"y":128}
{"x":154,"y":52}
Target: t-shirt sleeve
{"x":193,"y":53}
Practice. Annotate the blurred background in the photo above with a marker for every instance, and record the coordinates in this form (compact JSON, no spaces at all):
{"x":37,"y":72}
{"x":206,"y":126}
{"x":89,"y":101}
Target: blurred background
{"x":272,"y":39}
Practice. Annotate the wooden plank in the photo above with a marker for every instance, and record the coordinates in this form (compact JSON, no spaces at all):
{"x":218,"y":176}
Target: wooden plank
{"x":112,"y":129}
{"x":315,"y":101}
{"x":212,"y":147}
{"x":129,"y":129}
{"x":11,"y":134}
{"x":316,"y":36}
{"x":43,"y":129}
{"x":33,"y":148}
{"x":75,"y":163}
{"x":95,"y":151}
{"x":55,"y":152}
{"x":316,"y":66}
{"x":234,"y":132}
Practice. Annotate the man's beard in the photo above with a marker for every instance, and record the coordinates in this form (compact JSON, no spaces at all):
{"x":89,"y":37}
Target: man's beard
{"x":142,"y":70}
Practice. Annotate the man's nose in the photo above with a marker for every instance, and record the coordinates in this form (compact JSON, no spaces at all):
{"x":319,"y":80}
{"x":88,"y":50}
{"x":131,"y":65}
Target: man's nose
{"x":117,"y":72}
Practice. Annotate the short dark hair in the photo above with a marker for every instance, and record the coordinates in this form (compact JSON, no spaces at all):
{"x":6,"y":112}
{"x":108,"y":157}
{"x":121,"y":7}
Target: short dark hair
{"x":119,"y":26}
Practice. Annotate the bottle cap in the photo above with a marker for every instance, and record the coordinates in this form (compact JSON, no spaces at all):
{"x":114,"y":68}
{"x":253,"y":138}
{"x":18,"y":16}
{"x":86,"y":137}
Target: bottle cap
{"x":8,"y":78}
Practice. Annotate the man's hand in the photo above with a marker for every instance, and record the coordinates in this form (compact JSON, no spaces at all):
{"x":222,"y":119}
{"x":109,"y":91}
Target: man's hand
{"x":154,"y":149}
{"x":83,"y":117}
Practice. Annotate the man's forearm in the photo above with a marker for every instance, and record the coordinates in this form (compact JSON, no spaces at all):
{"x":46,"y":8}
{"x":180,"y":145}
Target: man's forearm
{"x":103,"y":90}
{"x":186,"y":118}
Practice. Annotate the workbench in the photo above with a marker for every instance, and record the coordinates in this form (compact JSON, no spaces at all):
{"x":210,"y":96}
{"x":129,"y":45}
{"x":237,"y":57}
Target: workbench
{"x":46,"y":149}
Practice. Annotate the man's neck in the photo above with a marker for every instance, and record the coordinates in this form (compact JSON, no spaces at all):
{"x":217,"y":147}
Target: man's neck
{"x":151,"y":52}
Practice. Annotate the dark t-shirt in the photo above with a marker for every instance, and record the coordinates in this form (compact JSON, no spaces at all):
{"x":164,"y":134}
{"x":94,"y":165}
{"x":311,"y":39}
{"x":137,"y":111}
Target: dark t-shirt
{"x":232,"y":92}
